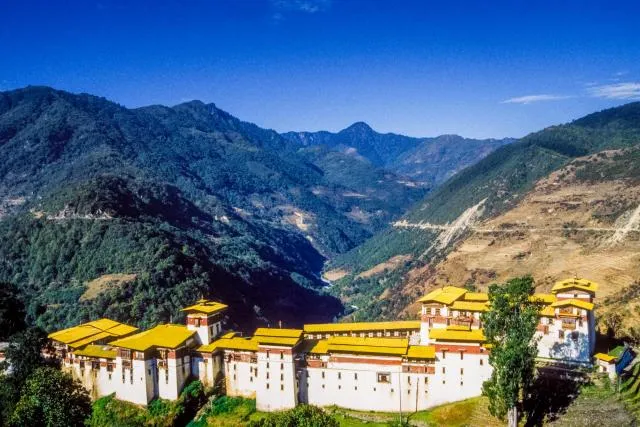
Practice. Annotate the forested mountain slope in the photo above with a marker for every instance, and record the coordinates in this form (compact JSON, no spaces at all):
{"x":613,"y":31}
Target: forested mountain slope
{"x":133,"y":213}
{"x":429,"y":161}
{"x":492,"y":189}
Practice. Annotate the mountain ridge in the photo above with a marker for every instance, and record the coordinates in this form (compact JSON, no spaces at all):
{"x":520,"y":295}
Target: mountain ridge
{"x":428,"y":160}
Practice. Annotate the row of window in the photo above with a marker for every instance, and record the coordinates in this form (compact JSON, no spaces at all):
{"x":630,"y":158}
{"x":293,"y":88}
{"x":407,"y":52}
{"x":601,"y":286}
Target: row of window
{"x":378,"y":334}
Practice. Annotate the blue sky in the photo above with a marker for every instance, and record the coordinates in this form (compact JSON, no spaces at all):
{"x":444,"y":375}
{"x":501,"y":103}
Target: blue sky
{"x":422,"y":68}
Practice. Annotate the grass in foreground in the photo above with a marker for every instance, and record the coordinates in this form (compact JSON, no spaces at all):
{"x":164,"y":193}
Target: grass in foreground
{"x":597,"y":405}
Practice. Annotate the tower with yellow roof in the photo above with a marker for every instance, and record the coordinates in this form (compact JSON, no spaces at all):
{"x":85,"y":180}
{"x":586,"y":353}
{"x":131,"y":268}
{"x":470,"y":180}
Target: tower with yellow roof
{"x":205,"y":317}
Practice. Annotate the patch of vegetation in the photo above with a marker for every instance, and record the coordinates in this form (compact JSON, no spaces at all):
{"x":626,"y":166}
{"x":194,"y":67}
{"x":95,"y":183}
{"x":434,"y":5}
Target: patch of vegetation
{"x":225,"y":411}
{"x":108,"y":411}
{"x":301,"y":415}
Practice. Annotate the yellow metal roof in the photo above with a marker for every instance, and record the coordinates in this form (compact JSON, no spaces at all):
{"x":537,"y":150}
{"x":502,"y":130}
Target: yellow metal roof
{"x":320,"y":347}
{"x":543,"y":298}
{"x":453,"y":335}
{"x":165,"y":336}
{"x":237,"y":343}
{"x":548,"y":311}
{"x":103,"y":324}
{"x":445,"y":295}
{"x":357,"y":345}
{"x":98,"y":351}
{"x":469,"y":306}
{"x":208,"y":348}
{"x":581,"y":284}
{"x":122,"y":330}
{"x":476,"y":296}
{"x":206,"y":307}
{"x":364,"y":349}
{"x":283,"y":341}
{"x":575,"y":303}
{"x":381,"y":342}
{"x":604,"y":357}
{"x":369,"y":346}
{"x":90,"y":332}
{"x":275,"y":332}
{"x":421,"y":352}
{"x":361,"y":326}
{"x":90,"y":339}
{"x":458,"y":328}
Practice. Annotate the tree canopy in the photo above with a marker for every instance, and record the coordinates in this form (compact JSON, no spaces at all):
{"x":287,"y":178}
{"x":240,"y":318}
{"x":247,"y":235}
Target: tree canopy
{"x":12,"y":311}
{"x":509,"y":326}
{"x":51,"y":398}
{"x":23,"y":357}
{"x":300,"y":416}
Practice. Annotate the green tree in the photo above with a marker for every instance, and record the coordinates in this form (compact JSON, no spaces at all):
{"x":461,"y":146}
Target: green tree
{"x":12,"y":311}
{"x":300,"y":416}
{"x":509,"y":326}
{"x":24,"y":356}
{"x":51,"y":398}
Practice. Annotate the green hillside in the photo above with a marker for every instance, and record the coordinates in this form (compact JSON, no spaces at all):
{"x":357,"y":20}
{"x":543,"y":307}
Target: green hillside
{"x":188,"y":200}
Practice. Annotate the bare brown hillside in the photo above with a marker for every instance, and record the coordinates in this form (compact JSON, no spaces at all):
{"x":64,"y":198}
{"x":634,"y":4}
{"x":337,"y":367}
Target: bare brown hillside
{"x":565,"y":227}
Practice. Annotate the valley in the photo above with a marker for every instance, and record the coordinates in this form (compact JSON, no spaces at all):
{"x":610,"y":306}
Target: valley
{"x":563,"y":202}
{"x":107,"y":211}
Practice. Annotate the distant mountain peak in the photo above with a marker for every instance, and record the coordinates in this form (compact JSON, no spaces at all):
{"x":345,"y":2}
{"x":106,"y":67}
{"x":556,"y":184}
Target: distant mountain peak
{"x":359,"y":127}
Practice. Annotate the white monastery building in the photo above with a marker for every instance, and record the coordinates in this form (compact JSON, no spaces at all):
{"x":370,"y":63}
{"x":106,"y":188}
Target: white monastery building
{"x":380,"y":366}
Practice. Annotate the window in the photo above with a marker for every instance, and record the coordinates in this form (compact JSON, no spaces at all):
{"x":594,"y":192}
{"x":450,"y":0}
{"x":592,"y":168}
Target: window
{"x":235,"y":368}
{"x":444,"y":382}
{"x":267,"y":364}
{"x":561,"y":334}
{"x":234,"y":377}
{"x":461,"y":371}
{"x":322,"y":385}
{"x":268,"y":353}
{"x":574,"y":335}
{"x":281,"y":355}
{"x":282,"y":366}
{"x":339,"y":387}
{"x":461,"y":383}
{"x":481,"y":362}
{"x":444,"y":370}
{"x":267,"y":386}
{"x":281,"y":387}
{"x":281,"y":377}
{"x":461,"y":355}
{"x":384,"y":377}
{"x":426,"y":380}
{"x":197,"y":322}
{"x":109,"y":375}
{"x":355,"y":376}
{"x":149,"y":371}
{"x":250,"y":379}
{"x":322,"y":374}
{"x":408,"y":379}
{"x":267,"y":375}
{"x":339,"y":375}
